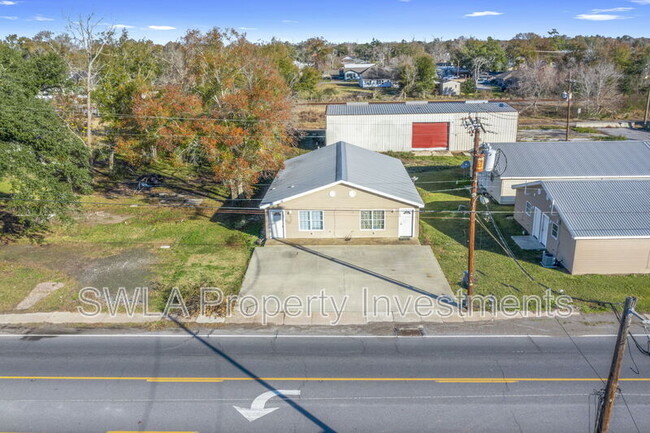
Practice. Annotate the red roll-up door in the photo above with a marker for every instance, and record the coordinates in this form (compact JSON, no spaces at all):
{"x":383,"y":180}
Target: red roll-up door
{"x":430,"y":135}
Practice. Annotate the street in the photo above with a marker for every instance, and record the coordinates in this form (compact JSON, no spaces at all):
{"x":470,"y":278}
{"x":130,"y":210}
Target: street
{"x":148,"y":382}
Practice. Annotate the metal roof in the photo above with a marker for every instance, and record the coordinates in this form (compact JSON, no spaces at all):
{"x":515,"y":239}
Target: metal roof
{"x":419,"y":108}
{"x":342,"y":163}
{"x":574,"y":159}
{"x":613,"y":208}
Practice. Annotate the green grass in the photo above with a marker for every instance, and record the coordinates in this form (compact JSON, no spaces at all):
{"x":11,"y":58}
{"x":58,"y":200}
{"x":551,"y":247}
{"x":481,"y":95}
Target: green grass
{"x":585,"y":130}
{"x":206,"y":248}
{"x":497,"y":273}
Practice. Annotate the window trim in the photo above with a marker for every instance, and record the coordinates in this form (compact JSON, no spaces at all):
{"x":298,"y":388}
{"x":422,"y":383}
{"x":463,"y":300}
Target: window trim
{"x":300,"y":229}
{"x":371,"y":219}
{"x":532,"y":208}
{"x":557,"y":232}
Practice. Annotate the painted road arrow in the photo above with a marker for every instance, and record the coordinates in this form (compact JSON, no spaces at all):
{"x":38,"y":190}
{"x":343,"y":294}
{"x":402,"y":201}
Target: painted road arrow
{"x":257,"y":409}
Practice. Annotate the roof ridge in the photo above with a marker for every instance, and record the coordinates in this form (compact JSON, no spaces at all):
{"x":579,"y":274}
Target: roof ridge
{"x":341,"y":162}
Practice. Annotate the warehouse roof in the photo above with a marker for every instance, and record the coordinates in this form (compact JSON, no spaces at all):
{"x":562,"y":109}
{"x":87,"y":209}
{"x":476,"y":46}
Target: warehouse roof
{"x":574,"y":159}
{"x":611,"y":208}
{"x":342,"y":163}
{"x":363,"y":108}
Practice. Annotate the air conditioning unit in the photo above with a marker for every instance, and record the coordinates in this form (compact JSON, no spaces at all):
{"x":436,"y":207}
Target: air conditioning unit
{"x":548,"y":260}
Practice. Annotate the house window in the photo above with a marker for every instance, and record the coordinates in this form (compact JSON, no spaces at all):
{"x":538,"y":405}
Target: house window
{"x":529,"y":208}
{"x":373,"y":220}
{"x":311,"y":220}
{"x":554,"y":230}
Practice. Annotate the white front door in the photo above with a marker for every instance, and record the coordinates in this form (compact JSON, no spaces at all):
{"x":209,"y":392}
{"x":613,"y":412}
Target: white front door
{"x":537,"y":222}
{"x":543,"y":232}
{"x":276,"y":218}
{"x":406,"y":223}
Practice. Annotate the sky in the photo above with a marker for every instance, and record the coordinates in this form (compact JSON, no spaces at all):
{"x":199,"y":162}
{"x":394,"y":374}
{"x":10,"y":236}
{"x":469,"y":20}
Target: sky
{"x":336,"y":21}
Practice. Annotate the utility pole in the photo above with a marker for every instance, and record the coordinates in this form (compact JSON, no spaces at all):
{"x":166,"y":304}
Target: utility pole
{"x":475,"y":127}
{"x":615,"y":369}
{"x":568,"y":105}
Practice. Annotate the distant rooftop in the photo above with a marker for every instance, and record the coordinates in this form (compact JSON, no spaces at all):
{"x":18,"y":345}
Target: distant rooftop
{"x":343,"y":163}
{"x":575,"y":159}
{"x":418,"y":108}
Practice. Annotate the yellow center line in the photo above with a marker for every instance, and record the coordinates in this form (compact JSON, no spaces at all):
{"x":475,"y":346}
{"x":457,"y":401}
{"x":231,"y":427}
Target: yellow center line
{"x":325,"y":379}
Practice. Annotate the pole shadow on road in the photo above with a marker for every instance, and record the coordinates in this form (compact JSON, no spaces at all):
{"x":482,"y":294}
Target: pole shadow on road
{"x":304,"y":412}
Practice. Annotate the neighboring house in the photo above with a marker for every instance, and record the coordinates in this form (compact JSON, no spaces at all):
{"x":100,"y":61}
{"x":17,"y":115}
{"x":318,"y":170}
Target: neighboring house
{"x":378,"y":77}
{"x":418,"y":125}
{"x":353,"y":71}
{"x":526,"y":162}
{"x":342,"y":192}
{"x":449,"y":88}
{"x":590,"y":226}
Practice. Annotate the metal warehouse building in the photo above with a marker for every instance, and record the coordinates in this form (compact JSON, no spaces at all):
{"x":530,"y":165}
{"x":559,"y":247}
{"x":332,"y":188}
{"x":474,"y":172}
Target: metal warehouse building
{"x":418,"y":125}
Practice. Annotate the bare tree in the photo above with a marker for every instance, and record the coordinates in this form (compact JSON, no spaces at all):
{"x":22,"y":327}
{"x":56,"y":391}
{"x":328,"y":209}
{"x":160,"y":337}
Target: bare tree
{"x":598,"y":85}
{"x":536,"y":80}
{"x":91,"y":42}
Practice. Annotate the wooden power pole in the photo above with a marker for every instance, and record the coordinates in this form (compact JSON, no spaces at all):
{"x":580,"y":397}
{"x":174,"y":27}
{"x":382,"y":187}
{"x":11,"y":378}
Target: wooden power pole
{"x":568,"y":106}
{"x":476,"y":127}
{"x":615,"y":370}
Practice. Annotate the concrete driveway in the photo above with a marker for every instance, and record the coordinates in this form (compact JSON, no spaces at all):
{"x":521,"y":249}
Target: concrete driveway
{"x":383,"y":282}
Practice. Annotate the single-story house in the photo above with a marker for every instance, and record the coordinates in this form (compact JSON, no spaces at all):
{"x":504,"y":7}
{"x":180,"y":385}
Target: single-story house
{"x":378,"y":77}
{"x":353,"y":71}
{"x":527,"y":162}
{"x":418,"y":125}
{"x":590,"y":226}
{"x":342,"y":191}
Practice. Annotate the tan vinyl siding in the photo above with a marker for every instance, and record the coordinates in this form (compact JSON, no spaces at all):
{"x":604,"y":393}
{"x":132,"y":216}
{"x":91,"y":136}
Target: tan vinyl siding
{"x":612,"y":256}
{"x":583,"y":256}
{"x":341,"y":214}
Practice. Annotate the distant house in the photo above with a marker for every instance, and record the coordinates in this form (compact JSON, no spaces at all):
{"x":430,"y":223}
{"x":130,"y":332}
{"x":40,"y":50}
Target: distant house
{"x":378,"y":77}
{"x":342,"y":192}
{"x":353,"y":71}
{"x":526,"y":162}
{"x":449,"y":88}
{"x":590,"y":226}
{"x":417,"y":125}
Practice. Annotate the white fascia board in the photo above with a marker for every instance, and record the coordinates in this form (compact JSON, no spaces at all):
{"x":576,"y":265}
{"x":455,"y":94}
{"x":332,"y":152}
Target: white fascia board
{"x":341,"y":182}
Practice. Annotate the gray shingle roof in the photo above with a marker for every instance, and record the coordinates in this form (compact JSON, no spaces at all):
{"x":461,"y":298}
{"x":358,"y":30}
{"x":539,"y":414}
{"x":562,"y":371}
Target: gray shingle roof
{"x":602,"y":208}
{"x":346,"y":163}
{"x":575,"y":159}
{"x":417,"y":108}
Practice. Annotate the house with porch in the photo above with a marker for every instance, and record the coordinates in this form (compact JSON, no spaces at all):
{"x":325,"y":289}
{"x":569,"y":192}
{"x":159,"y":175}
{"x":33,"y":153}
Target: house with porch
{"x":342,"y":191}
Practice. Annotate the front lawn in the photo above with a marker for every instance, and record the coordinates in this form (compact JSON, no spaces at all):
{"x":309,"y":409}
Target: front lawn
{"x":497,"y":273}
{"x":125,"y":238}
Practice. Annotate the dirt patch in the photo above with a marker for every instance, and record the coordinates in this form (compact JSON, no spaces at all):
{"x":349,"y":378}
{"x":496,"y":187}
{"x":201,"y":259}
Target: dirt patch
{"x":129,"y":268}
{"x":102,"y":217}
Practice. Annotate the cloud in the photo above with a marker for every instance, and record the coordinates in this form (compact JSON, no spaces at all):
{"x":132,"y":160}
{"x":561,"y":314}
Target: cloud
{"x":162,"y":28}
{"x":405,"y":1}
{"x":121,"y":26}
{"x":290,"y":21}
{"x":247,"y":28}
{"x":483,"y":14}
{"x":7,"y":3}
{"x":4,"y":17}
{"x":641,"y":2}
{"x":599,"y":17}
{"x":624,"y":9}
{"x":42,"y":18}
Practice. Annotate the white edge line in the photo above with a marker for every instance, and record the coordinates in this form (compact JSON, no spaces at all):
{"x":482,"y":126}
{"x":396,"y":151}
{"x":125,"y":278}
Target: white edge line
{"x":302,"y":336}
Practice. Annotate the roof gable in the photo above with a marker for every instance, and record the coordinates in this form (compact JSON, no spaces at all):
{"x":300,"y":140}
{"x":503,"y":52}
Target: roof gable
{"x":342,"y":163}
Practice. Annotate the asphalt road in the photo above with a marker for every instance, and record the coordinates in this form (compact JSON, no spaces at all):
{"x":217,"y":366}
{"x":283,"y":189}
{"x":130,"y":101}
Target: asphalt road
{"x":86,"y":383}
